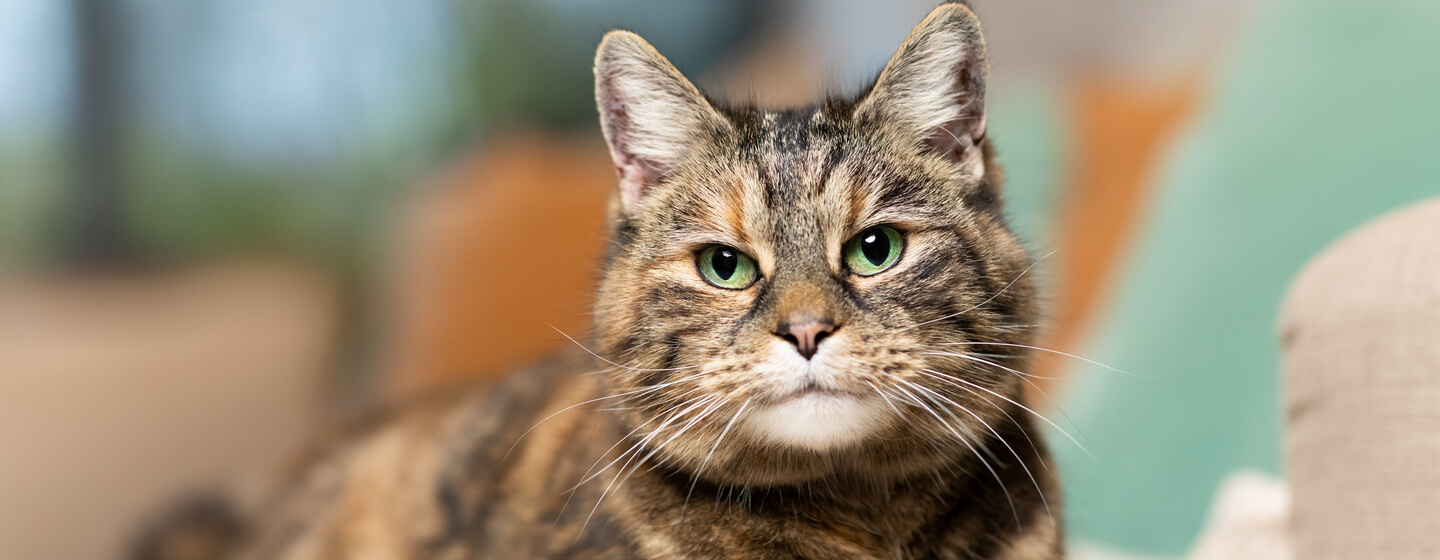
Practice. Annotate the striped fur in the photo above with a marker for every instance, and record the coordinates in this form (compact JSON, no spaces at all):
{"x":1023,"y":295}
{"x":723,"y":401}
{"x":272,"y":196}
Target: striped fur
{"x":705,"y":434}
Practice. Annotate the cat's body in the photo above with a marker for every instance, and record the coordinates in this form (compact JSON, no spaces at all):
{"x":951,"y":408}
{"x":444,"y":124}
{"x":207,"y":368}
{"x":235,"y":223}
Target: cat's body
{"x":435,"y":482}
{"x":808,"y":343}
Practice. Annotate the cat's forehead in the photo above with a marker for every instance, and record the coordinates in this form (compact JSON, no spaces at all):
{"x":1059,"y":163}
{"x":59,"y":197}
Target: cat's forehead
{"x":790,"y":156}
{"x":772,"y":174}
{"x":797,"y":177}
{"x":791,"y":131}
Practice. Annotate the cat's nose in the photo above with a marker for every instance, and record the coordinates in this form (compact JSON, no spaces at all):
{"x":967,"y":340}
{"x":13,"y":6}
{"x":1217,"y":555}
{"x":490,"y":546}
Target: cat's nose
{"x":806,"y":334}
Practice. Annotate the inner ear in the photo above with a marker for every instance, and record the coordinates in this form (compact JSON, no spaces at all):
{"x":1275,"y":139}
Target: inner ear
{"x":962,"y":134}
{"x":933,"y":88}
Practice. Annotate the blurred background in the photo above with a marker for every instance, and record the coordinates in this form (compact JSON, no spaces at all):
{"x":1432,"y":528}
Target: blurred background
{"x":226,"y":223}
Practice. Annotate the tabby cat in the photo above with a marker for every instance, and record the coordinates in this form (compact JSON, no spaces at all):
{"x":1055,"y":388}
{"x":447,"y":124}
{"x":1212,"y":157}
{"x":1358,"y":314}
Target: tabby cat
{"x":807,"y":344}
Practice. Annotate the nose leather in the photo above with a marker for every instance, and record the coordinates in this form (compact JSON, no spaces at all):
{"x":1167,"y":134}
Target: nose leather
{"x":806,"y":334}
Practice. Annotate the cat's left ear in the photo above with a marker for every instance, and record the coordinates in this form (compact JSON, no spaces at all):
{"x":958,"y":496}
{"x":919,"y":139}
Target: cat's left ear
{"x":653,"y":118}
{"x":934,"y":86}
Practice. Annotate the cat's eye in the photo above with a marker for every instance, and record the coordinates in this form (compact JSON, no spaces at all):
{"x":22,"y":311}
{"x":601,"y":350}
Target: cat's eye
{"x":726,"y":267}
{"x":874,"y":250}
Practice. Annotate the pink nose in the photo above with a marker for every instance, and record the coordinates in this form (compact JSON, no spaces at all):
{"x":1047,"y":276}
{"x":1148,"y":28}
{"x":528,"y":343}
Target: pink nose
{"x":806,"y":335}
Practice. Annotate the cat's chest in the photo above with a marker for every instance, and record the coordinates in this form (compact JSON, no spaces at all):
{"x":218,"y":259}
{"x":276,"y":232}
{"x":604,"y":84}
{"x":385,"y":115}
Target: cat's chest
{"x":732,"y":523}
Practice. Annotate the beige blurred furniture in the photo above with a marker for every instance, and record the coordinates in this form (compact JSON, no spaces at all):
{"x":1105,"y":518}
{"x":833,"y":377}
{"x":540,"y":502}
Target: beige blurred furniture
{"x":1360,"y":337}
{"x":120,"y":394}
{"x":1360,"y":330}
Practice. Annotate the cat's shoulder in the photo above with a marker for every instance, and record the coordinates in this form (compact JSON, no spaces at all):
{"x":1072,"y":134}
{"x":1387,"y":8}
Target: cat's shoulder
{"x":395,"y":476}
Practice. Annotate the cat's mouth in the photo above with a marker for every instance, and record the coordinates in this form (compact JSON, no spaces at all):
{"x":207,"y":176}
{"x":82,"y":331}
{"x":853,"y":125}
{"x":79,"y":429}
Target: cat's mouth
{"x":811,"y":387}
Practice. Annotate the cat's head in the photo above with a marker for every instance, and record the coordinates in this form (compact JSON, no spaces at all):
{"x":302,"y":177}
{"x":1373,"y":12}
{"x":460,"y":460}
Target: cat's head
{"x":807,"y":287}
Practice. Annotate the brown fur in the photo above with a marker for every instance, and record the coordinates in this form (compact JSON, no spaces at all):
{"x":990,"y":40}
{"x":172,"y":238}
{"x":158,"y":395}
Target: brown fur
{"x":667,"y":456}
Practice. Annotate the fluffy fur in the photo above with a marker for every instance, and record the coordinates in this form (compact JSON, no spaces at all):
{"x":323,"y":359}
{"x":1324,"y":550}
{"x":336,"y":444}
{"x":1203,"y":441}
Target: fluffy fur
{"x":703,"y":433}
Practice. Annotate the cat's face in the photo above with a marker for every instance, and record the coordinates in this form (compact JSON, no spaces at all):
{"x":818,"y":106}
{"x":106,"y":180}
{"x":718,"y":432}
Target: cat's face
{"x":790,"y":284}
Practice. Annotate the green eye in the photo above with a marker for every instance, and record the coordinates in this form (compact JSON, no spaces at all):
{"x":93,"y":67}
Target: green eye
{"x":874,"y":250}
{"x":725,"y":267}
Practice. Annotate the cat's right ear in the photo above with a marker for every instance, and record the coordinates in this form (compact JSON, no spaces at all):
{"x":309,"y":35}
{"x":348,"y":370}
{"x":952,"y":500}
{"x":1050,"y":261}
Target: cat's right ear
{"x":651,"y":115}
{"x":933,"y":89}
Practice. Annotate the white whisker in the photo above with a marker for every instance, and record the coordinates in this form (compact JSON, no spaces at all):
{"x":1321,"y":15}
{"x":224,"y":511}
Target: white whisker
{"x":1081,"y":358}
{"x":703,"y":401}
{"x":936,"y":375}
{"x":1025,"y":408}
{"x":1006,"y":368}
{"x":557,"y":413}
{"x":992,"y":298}
{"x":701,"y":469}
{"x":598,"y":357}
{"x":887,"y":399}
{"x":1038,"y":491}
{"x":916,"y":400}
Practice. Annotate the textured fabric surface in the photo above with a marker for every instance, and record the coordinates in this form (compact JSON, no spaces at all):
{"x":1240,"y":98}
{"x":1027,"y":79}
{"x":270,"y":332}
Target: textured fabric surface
{"x":1361,"y":340}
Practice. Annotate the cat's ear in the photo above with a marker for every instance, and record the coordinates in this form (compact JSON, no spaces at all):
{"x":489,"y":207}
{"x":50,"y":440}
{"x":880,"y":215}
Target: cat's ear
{"x":934,"y":86}
{"x":651,"y":115}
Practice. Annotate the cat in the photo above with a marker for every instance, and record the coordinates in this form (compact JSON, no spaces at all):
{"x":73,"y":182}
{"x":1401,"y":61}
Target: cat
{"x":808,"y":343}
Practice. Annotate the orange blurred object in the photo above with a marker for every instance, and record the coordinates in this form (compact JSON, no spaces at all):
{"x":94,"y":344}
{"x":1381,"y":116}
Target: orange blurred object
{"x":1122,"y":128}
{"x":498,"y":257}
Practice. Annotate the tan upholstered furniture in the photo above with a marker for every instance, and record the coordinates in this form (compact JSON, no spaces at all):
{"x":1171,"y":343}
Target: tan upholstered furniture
{"x":121,"y":394}
{"x":1360,"y":330}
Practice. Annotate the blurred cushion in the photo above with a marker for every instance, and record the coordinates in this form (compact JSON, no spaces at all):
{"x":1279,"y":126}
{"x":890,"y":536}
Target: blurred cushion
{"x":1361,"y":341}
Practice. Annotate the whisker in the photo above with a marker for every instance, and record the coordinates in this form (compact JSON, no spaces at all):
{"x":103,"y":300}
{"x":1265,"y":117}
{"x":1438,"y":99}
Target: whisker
{"x":887,"y":399}
{"x":992,"y":298}
{"x":935,"y":375}
{"x":631,"y":337}
{"x":997,"y":356}
{"x":587,"y":477}
{"x":964,"y":440}
{"x":598,"y":357}
{"x":638,"y":445}
{"x":1023,"y":377}
{"x":1009,"y":369}
{"x":701,"y":469}
{"x":995,"y":433}
{"x":557,"y":413}
{"x":1025,"y":408}
{"x":1081,"y":358}
{"x":673,"y":412}
{"x":924,"y":391}
{"x":703,"y":414}
{"x":641,"y":463}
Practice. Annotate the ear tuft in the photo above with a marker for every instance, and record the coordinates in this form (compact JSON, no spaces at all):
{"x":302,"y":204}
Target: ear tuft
{"x":651,"y":115}
{"x":934,"y":85}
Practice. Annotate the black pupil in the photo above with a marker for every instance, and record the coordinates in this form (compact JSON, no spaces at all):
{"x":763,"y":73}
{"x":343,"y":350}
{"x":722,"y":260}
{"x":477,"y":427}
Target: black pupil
{"x":724,"y":262}
{"x":875,"y":245}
